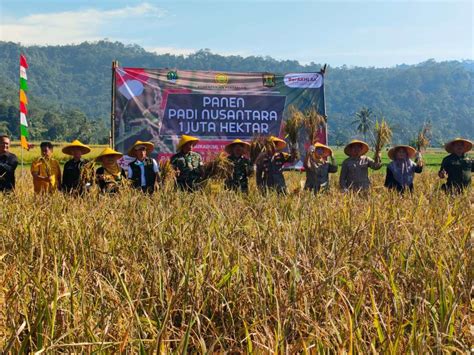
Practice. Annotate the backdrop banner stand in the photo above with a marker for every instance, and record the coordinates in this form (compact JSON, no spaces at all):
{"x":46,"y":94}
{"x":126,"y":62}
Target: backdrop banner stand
{"x":112,"y":107}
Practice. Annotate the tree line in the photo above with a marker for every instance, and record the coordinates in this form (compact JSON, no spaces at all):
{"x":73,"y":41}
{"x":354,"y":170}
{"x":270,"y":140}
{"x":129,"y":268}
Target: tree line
{"x":70,"y":90}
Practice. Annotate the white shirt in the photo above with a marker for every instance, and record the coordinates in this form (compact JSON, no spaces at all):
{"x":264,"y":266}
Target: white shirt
{"x":142,"y":170}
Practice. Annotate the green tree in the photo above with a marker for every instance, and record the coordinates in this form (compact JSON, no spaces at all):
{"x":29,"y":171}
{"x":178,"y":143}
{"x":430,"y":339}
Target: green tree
{"x":364,"y":121}
{"x":4,"y":128}
{"x":56,"y":126}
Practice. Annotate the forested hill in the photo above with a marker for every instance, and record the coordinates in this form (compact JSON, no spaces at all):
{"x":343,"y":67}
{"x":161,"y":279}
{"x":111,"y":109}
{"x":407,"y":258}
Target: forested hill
{"x":70,"y":89}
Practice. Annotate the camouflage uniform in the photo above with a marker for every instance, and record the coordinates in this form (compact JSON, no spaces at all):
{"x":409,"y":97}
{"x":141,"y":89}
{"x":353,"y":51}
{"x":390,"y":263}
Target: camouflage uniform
{"x":190,"y":170}
{"x":270,"y":171}
{"x":240,"y":177}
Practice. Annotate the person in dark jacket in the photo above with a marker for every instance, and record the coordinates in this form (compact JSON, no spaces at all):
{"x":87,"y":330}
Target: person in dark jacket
{"x":8,"y":164}
{"x":143,"y":171}
{"x":355,"y":169}
{"x":71,"y":183}
{"x":457,"y":166}
{"x":401,"y":171}
{"x":242,"y":166}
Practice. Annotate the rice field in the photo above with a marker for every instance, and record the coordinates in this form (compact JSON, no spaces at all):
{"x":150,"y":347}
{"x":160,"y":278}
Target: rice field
{"x":35,"y":152}
{"x":217,"y":271}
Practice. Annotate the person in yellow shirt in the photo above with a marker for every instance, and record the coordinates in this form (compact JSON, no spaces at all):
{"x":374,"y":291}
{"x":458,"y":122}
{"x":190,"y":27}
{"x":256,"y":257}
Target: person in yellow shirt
{"x":46,"y":171}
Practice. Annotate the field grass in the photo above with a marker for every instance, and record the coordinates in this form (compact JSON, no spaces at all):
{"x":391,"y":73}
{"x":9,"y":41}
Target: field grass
{"x":215,"y":271}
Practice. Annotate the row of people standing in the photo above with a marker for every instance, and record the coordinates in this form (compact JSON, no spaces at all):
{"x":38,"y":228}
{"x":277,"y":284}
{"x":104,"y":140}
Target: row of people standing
{"x":319,"y":163}
{"x":143,"y":172}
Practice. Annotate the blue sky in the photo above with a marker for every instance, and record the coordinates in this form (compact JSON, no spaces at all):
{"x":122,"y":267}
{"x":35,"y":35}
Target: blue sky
{"x":355,"y":33}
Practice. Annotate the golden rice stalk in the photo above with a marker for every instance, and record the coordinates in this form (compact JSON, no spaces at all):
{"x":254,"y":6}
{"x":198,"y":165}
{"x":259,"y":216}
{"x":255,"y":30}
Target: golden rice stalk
{"x":383,"y":135}
{"x":293,"y":124}
{"x":424,"y":137}
{"x":167,"y":172}
{"x":313,"y":121}
{"x":87,"y":175}
{"x":258,"y":145}
{"x":219,"y":168}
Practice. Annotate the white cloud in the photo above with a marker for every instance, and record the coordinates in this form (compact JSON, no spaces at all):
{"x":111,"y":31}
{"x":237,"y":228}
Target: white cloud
{"x":70,"y":26}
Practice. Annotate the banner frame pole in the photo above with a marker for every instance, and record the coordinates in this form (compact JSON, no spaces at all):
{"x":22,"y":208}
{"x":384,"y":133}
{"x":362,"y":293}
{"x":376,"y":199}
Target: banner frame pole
{"x":112,"y":107}
{"x":323,"y":72}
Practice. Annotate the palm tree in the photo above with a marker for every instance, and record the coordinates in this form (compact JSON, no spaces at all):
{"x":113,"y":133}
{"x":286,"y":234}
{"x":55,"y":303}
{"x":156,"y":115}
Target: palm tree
{"x":364,"y":121}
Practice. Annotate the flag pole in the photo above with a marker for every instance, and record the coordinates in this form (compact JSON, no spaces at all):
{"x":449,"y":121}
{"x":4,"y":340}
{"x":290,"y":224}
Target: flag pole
{"x":21,"y":146}
{"x":112,"y":107}
{"x":22,"y":171}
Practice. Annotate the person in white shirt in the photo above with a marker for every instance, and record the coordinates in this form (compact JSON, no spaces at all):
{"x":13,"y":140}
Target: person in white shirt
{"x":143,"y":171}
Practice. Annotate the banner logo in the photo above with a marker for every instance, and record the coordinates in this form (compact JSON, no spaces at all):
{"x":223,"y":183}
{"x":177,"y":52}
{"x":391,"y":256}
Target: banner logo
{"x":268,"y":80}
{"x":172,"y":76}
{"x":303,"y":80}
{"x":221,"y":79}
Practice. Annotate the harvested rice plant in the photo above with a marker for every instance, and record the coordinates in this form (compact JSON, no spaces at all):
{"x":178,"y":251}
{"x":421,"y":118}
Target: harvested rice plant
{"x":218,"y":271}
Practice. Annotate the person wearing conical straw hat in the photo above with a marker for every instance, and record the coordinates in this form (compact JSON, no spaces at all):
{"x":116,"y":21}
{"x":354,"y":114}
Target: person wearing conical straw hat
{"x":143,"y":171}
{"x":187,"y":164}
{"x":401,"y":171}
{"x":242,"y":166}
{"x":270,"y":164}
{"x":72,"y":169}
{"x":46,"y":171}
{"x":355,"y":169}
{"x":110,"y":176}
{"x":457,"y":166}
{"x":318,"y":164}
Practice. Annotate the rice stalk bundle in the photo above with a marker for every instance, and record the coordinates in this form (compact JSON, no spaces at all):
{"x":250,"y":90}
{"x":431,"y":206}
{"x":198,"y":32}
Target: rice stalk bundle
{"x":313,"y":122}
{"x":167,"y":172}
{"x":219,"y":168}
{"x":293,"y":124}
{"x":87,"y":175}
{"x":258,"y":145}
{"x":383,"y":135}
{"x":424,"y":138}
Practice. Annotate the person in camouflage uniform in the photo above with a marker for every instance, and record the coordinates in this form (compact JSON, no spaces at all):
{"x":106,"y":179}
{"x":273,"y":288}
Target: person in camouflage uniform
{"x":187,"y":164}
{"x":242,"y":166}
{"x":270,"y":167}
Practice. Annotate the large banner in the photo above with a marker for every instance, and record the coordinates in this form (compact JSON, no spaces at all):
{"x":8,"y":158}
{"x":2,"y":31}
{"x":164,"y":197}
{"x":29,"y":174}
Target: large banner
{"x":160,"y":105}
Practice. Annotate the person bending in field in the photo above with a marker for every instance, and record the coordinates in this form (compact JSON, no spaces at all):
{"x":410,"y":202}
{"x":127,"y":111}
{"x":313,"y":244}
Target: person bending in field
{"x":243,"y":168}
{"x":143,"y":171}
{"x":401,"y":171}
{"x":355,"y":169}
{"x":187,"y":164}
{"x":318,"y":168}
{"x":8,"y":164}
{"x":457,"y":166}
{"x":270,"y":166}
{"x":72,"y":169}
{"x":110,"y":176}
{"x":46,"y":171}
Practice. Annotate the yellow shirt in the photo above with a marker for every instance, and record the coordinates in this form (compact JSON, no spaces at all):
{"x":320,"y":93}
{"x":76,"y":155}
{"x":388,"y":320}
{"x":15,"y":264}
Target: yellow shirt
{"x":46,"y":168}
